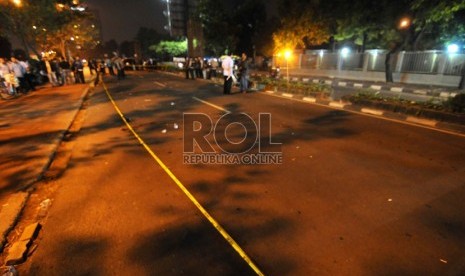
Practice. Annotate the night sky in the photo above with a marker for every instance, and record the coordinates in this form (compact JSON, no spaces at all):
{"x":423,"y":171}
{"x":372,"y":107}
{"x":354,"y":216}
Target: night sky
{"x":121,"y":19}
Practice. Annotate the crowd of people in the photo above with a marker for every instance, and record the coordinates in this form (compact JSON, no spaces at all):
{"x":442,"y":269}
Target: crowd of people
{"x":20,"y":75}
{"x":233,"y":70}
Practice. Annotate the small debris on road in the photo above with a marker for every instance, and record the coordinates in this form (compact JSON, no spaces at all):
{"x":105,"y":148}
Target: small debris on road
{"x":443,"y":261}
{"x":172,"y":103}
{"x":175,"y":126}
{"x":164,"y":131}
{"x":11,"y":271}
{"x":147,"y":100}
{"x":45,"y":204}
{"x":390,"y":199}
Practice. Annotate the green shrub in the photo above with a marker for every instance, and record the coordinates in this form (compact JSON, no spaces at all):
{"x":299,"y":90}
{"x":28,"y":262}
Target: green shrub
{"x":457,"y":103}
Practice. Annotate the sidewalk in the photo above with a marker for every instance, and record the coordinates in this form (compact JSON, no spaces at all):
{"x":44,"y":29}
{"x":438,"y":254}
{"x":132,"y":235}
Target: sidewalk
{"x":31,"y":128}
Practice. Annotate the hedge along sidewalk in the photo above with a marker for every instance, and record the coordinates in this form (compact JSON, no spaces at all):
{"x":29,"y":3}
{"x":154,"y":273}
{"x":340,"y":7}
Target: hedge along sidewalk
{"x":435,"y":91}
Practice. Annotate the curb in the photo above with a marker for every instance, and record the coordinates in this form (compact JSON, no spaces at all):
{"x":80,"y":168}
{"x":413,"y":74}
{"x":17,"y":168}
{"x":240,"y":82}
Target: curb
{"x":9,"y":215}
{"x":443,"y":94}
{"x":428,"y":123}
{"x":433,"y":124}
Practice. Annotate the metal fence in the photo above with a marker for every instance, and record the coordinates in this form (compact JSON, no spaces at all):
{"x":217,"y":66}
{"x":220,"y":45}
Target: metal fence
{"x":425,"y":62}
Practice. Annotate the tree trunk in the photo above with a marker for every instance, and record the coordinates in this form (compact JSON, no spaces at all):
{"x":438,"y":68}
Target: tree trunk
{"x":332,"y":44}
{"x":388,"y":71}
{"x":23,"y":41}
{"x":417,"y":39}
{"x":63,"y":50}
{"x":388,"y":64}
{"x":364,"y":42}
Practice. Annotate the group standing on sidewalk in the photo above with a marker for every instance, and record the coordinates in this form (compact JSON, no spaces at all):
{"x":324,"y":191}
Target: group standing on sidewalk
{"x":19,"y":75}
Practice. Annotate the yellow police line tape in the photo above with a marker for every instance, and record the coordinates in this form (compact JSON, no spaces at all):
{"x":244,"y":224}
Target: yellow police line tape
{"x":215,"y":224}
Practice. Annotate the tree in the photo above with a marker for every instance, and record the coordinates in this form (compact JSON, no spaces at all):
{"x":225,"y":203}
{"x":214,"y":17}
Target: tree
{"x":170,"y":48}
{"x":127,"y":48}
{"x":250,"y":19}
{"x":263,"y":40}
{"x":435,"y":20}
{"x":49,"y":25}
{"x":300,"y":30}
{"x":5,"y":47}
{"x":219,"y":29}
{"x":148,"y":37}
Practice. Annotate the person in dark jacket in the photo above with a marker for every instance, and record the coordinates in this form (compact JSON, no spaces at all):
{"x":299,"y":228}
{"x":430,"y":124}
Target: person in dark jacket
{"x":244,"y":73}
{"x":78,"y":68}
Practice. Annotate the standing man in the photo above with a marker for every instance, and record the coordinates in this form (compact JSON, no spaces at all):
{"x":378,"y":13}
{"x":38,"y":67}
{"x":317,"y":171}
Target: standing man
{"x":78,"y":69}
{"x":228,"y":66}
{"x":66,"y":71}
{"x":244,"y":72}
{"x":20,"y":73}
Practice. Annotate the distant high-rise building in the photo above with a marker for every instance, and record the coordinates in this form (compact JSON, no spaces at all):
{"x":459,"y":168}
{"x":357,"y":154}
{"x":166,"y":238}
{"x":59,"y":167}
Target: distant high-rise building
{"x":182,"y":22}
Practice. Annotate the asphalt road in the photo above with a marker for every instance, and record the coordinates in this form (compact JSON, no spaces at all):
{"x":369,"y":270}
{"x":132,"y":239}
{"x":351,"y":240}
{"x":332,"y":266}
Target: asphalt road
{"x":354,"y":195}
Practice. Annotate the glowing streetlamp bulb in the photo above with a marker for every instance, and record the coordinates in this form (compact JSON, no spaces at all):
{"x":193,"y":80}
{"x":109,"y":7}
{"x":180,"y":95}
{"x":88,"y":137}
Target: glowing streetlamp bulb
{"x":287,"y":54}
{"x":452,"y":48}
{"x":345,"y":51}
{"x":17,"y":3}
{"x":404,"y":23}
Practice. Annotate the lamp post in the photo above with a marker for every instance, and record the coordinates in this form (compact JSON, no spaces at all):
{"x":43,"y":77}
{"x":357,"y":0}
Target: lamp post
{"x":404,"y":24}
{"x":287,"y":56}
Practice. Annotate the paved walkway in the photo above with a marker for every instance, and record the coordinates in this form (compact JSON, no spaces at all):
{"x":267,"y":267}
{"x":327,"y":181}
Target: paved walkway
{"x":31,"y":127}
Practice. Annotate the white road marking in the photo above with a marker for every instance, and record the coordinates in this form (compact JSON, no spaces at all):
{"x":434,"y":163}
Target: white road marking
{"x":160,"y":84}
{"x":420,"y":121}
{"x":337,"y":104}
{"x":372,"y":111}
{"x":211,"y":104}
{"x":397,"y":89}
{"x":309,"y":99}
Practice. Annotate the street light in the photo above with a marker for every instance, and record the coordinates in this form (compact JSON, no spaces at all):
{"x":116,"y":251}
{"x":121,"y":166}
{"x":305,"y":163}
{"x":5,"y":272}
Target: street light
{"x":452,"y":48}
{"x":287,"y":56}
{"x":17,"y":3}
{"x":345,"y":52}
{"x":404,"y":23}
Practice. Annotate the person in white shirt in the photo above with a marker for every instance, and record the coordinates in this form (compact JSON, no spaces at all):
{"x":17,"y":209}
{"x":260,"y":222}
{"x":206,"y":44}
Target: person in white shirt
{"x":228,"y":67}
{"x":4,"y":69}
{"x":19,"y":71}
